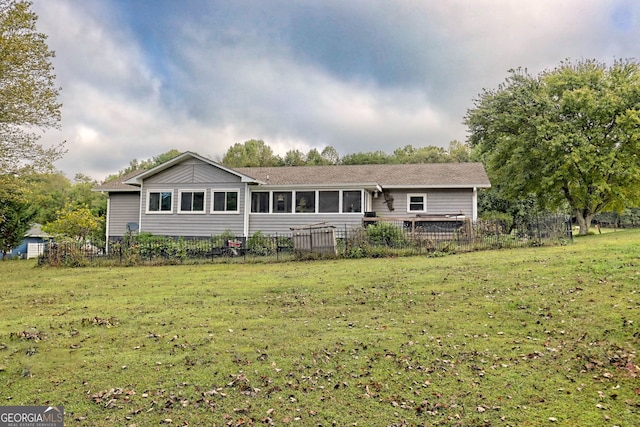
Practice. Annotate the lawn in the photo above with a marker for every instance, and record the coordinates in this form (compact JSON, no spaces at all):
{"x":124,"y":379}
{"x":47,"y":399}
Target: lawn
{"x":522,"y":337}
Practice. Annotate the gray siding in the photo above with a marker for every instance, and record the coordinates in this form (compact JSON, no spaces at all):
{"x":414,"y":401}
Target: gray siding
{"x":193,"y":175}
{"x":439,"y":202}
{"x":192,"y":171}
{"x":280,"y":223}
{"x":450,"y":202}
{"x":123,"y":208}
{"x":193,"y":224}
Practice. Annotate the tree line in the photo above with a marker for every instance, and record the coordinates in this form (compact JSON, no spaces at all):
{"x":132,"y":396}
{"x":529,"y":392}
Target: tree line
{"x":254,"y":153}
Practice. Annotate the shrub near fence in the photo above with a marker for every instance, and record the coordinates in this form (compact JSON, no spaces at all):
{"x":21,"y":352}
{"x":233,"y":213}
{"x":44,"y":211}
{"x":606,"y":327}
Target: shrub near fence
{"x":384,"y":238}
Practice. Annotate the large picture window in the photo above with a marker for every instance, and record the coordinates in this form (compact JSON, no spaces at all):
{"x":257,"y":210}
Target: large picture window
{"x":260,"y":202}
{"x":225,"y":201}
{"x":352,"y":201}
{"x":282,"y":202}
{"x":160,"y":201}
{"x":328,"y":201}
{"x":305,"y":201}
{"x":416,"y":202}
{"x":192,"y":201}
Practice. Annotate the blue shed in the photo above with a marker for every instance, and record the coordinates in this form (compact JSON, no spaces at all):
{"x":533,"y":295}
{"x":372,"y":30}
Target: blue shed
{"x":32,"y":245}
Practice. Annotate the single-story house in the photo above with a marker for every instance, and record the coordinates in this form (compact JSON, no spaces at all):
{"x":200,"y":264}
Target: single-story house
{"x":32,"y":245}
{"x":193,"y":196}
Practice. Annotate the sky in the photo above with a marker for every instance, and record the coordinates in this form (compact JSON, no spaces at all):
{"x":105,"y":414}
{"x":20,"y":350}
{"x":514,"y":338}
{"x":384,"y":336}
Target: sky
{"x":141,"y":77}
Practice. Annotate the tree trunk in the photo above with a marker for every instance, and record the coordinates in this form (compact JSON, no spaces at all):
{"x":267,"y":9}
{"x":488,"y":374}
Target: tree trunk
{"x":584,"y":221}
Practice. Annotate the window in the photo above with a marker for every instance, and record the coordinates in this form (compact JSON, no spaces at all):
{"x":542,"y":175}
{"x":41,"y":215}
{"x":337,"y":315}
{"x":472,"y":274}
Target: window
{"x":282,"y":202}
{"x":260,"y":202}
{"x":192,"y":201}
{"x":160,"y":201}
{"x":305,"y":201}
{"x":323,"y":201}
{"x":329,"y":201}
{"x":225,"y":201}
{"x":416,"y":202}
{"x":352,"y":201}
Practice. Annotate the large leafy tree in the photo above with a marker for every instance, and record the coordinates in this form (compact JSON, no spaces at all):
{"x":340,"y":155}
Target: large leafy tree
{"x":16,"y":213}
{"x":251,"y":153}
{"x":17,"y":219}
{"x":77,"y":223}
{"x":569,"y":136}
{"x":28,"y":94}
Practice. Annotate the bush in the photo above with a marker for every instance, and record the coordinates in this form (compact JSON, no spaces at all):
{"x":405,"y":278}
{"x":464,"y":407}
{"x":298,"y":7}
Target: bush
{"x":500,"y":222}
{"x":259,"y":244}
{"x":386,"y":234}
{"x":221,"y":240}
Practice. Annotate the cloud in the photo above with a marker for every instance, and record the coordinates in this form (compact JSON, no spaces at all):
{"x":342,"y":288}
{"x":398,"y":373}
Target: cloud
{"x":140,"y":78}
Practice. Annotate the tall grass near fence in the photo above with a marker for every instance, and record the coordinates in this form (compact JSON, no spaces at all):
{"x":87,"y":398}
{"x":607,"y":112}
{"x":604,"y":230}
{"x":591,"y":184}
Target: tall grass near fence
{"x":381,"y":238}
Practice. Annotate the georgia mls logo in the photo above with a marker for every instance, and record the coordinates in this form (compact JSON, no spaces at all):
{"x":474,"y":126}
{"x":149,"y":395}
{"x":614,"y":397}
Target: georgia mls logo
{"x":31,"y":416}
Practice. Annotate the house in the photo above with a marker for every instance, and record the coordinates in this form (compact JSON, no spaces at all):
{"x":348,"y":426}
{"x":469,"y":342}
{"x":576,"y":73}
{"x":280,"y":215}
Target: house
{"x":193,"y":196}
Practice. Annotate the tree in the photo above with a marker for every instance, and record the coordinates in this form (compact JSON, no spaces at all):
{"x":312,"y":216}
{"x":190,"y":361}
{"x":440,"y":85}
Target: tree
{"x":136,"y":164}
{"x":330,"y":154}
{"x":371,"y":158}
{"x":251,"y":153}
{"x":77,"y":223}
{"x":16,"y":214}
{"x":51,"y":192}
{"x":315,"y":158}
{"x":459,"y":152}
{"x":570,"y":136}
{"x":294,"y":158}
{"x":28,"y":95}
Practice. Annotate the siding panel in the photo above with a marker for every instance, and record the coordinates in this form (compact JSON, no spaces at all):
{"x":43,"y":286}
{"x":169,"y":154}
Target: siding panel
{"x":192,"y":171}
{"x":439,"y":202}
{"x":280,"y":223}
{"x":123,"y":208}
{"x":450,"y":202}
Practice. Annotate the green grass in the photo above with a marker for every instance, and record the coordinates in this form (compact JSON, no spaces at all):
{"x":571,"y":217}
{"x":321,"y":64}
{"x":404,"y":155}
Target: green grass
{"x":526,"y":337}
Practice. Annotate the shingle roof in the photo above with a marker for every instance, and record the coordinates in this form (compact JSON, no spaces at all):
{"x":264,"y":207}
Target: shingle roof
{"x":421,"y":174}
{"x":117,"y":184}
{"x":434,"y":175}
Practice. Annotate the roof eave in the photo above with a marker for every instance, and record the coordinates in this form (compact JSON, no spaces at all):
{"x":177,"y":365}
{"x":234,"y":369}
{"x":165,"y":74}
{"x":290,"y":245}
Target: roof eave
{"x":318,"y":185}
{"x":437,"y":186}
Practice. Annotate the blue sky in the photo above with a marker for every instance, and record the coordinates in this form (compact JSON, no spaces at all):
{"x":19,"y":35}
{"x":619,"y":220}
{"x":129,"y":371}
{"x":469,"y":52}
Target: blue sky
{"x":140,"y":77}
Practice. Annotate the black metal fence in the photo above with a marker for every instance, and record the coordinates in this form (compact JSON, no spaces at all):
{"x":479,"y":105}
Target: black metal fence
{"x":378,"y":239}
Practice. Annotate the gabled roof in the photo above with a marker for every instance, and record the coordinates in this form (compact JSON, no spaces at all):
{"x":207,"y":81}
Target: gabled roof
{"x":36,"y":231}
{"x":424,"y":175}
{"x":137,"y":180}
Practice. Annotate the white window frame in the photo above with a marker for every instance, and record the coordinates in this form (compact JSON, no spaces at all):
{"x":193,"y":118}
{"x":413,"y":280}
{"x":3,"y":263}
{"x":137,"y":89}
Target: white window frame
{"x":192,"y":212}
{"x":269,"y":201}
{"x":290,"y":205}
{"x":225,"y":190}
{"x":424,"y":202}
{"x":159,"y":212}
{"x":344,"y":210}
{"x":339,"y":201}
{"x":315,"y":201}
